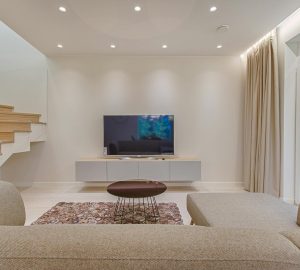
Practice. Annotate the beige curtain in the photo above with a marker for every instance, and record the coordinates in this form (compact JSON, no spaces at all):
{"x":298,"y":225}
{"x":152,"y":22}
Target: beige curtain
{"x":262,"y":119}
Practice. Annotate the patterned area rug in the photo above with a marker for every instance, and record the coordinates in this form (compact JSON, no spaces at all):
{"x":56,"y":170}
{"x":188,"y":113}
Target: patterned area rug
{"x":103,"y":213}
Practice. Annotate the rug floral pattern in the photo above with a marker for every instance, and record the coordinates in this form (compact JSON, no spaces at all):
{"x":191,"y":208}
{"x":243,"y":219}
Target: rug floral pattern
{"x":103,"y":213}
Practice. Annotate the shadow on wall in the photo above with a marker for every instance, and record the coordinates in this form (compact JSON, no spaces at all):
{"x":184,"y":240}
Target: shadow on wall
{"x":23,"y":74}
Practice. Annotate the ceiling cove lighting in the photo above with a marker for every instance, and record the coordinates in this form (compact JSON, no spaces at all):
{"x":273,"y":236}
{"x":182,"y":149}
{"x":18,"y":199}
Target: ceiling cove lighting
{"x":271,"y":33}
{"x":113,"y":46}
{"x":213,"y":9}
{"x":62,"y":9}
{"x":164,"y":46}
{"x":137,"y":8}
{"x":60,"y":46}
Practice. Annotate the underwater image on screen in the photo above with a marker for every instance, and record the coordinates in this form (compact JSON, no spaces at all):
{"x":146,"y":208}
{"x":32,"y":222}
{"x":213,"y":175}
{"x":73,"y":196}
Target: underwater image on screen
{"x":155,"y":127}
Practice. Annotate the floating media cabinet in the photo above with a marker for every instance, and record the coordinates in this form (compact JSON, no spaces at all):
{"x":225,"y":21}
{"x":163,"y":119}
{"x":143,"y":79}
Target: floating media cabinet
{"x":108,"y":169}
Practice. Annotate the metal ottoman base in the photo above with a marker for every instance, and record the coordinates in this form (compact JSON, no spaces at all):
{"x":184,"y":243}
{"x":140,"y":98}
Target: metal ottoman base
{"x":138,"y":210}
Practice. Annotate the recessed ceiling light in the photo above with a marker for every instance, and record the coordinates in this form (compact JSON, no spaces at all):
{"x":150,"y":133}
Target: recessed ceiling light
{"x":62,"y":9}
{"x":219,"y":46}
{"x":164,"y":46}
{"x":213,"y":9}
{"x":60,"y":46}
{"x":113,"y":46}
{"x":137,"y":8}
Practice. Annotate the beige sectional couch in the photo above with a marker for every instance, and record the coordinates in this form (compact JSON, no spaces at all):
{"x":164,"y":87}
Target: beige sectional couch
{"x":47,"y":247}
{"x":113,"y":247}
{"x":242,"y":210}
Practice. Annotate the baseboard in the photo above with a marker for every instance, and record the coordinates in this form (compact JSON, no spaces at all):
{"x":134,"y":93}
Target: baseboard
{"x":22,"y":184}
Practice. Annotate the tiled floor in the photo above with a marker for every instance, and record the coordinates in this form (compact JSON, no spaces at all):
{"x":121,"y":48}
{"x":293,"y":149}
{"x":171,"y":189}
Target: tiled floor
{"x":41,"y":197}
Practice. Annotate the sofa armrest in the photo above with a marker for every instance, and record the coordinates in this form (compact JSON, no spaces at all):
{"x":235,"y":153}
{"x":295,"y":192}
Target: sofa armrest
{"x":293,"y":236}
{"x":12,"y":210}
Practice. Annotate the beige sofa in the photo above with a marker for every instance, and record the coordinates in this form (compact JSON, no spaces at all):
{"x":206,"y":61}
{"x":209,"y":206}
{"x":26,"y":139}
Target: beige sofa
{"x":88,"y":247}
{"x":242,"y":210}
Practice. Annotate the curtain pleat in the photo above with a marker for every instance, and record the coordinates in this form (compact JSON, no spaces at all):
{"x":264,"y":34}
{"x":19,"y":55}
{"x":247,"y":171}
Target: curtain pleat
{"x":262,"y":120}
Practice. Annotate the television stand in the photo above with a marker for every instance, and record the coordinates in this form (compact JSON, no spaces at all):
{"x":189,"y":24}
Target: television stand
{"x":171,"y":169}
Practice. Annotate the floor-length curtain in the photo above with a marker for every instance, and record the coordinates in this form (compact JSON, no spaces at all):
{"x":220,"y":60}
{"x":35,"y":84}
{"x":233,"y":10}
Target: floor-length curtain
{"x":262,"y":119}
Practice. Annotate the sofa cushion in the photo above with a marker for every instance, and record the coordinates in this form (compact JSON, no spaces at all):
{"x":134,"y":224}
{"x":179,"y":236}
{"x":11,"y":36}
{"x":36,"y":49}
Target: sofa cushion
{"x":12,"y":211}
{"x":141,"y":247}
{"x":242,"y":210}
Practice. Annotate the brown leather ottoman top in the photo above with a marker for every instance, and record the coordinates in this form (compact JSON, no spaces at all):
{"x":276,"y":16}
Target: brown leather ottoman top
{"x":136,"y":188}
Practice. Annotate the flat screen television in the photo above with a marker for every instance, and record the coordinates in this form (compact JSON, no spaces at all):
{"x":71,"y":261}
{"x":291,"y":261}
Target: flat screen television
{"x":138,"y":135}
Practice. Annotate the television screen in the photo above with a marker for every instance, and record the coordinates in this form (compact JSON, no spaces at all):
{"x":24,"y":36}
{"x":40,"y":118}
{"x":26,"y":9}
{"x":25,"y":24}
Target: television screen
{"x":131,"y":135}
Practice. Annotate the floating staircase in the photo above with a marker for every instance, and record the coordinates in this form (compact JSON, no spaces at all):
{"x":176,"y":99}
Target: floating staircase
{"x":18,"y":131}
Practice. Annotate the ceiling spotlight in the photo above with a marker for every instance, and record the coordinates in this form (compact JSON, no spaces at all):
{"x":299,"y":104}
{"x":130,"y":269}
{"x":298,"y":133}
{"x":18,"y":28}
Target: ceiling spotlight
{"x":60,"y":46}
{"x":137,"y":8}
{"x":62,"y":9}
{"x":213,"y":9}
{"x":113,"y":46}
{"x":164,"y":46}
{"x":219,"y":46}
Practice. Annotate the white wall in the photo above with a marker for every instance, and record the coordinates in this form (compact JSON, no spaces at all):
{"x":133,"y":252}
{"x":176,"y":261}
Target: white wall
{"x":23,"y":74}
{"x":204,"y":93}
{"x":289,"y":124}
{"x":297,"y":156}
{"x":287,"y":76}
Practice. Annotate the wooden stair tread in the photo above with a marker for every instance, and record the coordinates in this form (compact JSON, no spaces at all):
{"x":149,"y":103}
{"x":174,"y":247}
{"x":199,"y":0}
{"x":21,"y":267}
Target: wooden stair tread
{"x":6,"y":106}
{"x":19,"y":113}
{"x":15,"y":126}
{"x":6,"y":133}
{"x":14,"y":122}
{"x":21,"y":117}
{"x":21,"y":122}
{"x":6,"y":141}
{"x":7,"y":136}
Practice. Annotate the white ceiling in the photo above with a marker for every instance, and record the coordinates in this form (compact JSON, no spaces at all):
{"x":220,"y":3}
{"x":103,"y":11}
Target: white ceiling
{"x":187,"y":26}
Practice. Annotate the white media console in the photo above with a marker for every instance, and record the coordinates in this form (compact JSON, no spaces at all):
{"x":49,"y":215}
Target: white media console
{"x":108,"y":169}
